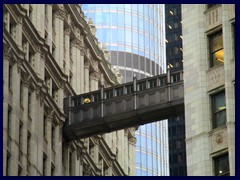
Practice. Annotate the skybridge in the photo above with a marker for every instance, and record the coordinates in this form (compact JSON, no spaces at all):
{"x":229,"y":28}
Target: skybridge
{"x":127,"y":105}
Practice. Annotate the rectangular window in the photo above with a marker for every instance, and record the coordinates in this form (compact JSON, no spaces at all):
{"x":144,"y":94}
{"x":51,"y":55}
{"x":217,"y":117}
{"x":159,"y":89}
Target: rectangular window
{"x":109,"y":94}
{"x":152,"y":83}
{"x":216,"y":49}
{"x":119,"y":91}
{"x":221,"y":165}
{"x":163,"y":81}
{"x":142,"y":85}
{"x":129,"y":89}
{"x":219,"y":109}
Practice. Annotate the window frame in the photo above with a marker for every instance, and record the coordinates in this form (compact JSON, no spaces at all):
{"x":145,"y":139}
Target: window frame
{"x":210,"y":50}
{"x":214,"y":113}
{"x":216,"y":163}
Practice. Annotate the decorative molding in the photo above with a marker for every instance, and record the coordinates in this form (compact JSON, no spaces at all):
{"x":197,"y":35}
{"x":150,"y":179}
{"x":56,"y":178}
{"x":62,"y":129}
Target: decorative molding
{"x":87,"y":64}
{"x":219,"y":138}
{"x":40,"y":94}
{"x":67,"y":31}
{"x":61,"y":14}
{"x":27,"y":79}
{"x":19,"y":64}
{"x":76,"y":43}
{"x":215,"y":77}
{"x":7,"y":52}
{"x":95,"y":76}
{"x":132,"y":141}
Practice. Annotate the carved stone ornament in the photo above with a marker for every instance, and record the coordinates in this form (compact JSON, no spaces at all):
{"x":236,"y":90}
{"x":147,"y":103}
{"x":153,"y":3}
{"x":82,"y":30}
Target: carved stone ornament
{"x":61,"y":14}
{"x":67,"y":31}
{"x":87,"y":64}
{"x":132,"y":141}
{"x":87,"y":170}
{"x":7,"y":52}
{"x":76,"y":43}
{"x":95,"y":75}
{"x":27,"y":79}
{"x":219,"y":139}
{"x":40,"y":94}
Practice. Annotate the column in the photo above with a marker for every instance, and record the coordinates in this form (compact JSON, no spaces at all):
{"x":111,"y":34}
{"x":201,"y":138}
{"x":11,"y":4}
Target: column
{"x":48,"y":21}
{"x":126,"y":155}
{"x":6,"y":60}
{"x":96,"y":150}
{"x":76,"y":65}
{"x":59,"y":40}
{"x":66,"y":160}
{"x":33,"y":140}
{"x":26,"y":87}
{"x":49,"y":121}
{"x":94,"y":78}
{"x":58,"y":149}
{"x":67,"y":49}
{"x":38,"y":18}
{"x":39,"y":128}
{"x":229,"y":87}
{"x":132,"y":147}
{"x":19,"y":33}
{"x":81,"y":68}
{"x":14,"y":123}
{"x":86,"y":75}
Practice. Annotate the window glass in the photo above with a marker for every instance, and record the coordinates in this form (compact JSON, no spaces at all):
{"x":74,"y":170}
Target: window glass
{"x":222,"y":166}
{"x":216,"y":49}
{"x":120,"y":19}
{"x":219,"y":110}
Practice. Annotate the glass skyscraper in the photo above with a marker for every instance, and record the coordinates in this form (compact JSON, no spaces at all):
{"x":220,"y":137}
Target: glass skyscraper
{"x":134,"y":35}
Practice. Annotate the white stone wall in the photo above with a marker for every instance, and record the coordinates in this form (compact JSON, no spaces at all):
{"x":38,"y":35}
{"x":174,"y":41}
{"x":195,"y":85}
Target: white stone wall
{"x":200,"y":82}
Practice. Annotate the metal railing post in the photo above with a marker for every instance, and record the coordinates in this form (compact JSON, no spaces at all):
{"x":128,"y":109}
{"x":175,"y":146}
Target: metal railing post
{"x":102,"y":99}
{"x":135,"y":90}
{"x":169,"y":82}
{"x":69,"y":109}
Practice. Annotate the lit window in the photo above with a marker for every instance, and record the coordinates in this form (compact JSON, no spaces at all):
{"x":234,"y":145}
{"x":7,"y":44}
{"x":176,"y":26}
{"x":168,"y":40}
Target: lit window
{"x":221,"y":165}
{"x":216,"y":49}
{"x":218,"y":109}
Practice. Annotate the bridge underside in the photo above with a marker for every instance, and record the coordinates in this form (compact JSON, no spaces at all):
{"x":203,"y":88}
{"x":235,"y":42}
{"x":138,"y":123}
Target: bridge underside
{"x":123,"y":120}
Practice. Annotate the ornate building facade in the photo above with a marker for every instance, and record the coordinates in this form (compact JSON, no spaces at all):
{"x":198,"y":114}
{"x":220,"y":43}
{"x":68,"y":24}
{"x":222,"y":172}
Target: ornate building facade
{"x":50,"y":52}
{"x":209,"y":87}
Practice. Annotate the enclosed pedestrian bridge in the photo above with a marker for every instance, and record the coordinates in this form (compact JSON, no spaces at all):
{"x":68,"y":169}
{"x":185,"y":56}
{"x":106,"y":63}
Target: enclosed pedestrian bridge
{"x":132,"y":104}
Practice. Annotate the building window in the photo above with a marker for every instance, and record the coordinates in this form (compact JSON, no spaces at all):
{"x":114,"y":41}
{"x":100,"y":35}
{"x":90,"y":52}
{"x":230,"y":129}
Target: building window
{"x":142,"y":85}
{"x":44,"y":164}
{"x":119,"y":91}
{"x":221,"y":165}
{"x":152,"y":83}
{"x":218,"y":109}
{"x":216,"y":49}
{"x":109,"y":94}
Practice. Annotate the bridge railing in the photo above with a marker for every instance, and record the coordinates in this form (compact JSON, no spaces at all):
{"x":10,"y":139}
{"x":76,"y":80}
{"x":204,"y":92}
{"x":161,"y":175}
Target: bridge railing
{"x":124,"y":98}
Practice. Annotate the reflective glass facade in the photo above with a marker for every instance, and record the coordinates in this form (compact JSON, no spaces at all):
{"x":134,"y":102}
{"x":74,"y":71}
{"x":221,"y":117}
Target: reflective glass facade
{"x":134,"y":35}
{"x":174,"y":56}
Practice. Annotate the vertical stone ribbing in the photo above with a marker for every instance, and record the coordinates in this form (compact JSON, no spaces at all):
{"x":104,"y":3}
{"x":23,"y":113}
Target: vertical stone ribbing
{"x":229,"y":86}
